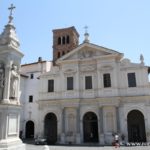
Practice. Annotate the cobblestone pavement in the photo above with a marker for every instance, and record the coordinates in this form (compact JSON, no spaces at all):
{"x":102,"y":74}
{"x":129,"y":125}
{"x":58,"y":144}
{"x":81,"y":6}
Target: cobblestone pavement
{"x":41,"y":147}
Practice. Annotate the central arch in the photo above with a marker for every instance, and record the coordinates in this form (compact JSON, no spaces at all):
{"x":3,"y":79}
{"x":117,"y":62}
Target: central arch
{"x":136,"y":126}
{"x":90,"y":127}
{"x":50,"y":128}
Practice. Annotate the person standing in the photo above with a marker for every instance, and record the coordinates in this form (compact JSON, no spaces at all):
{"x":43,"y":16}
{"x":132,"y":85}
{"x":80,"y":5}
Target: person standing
{"x":116,"y":140}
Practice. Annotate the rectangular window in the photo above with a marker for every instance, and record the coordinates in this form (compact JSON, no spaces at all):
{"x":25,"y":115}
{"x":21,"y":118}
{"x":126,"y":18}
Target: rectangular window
{"x":69,"y":83}
{"x":50,"y":85}
{"x":88,"y":82}
{"x":31,"y":76}
{"x":30,"y":99}
{"x":107,"y":80}
{"x":131,"y":80}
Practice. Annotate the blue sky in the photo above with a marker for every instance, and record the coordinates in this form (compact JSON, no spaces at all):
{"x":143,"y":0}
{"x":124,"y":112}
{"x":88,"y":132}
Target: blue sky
{"x":122,"y":25}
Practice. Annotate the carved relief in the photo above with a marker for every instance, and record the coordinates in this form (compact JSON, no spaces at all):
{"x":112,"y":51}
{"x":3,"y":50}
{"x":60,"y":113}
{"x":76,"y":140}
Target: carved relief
{"x":86,"y":53}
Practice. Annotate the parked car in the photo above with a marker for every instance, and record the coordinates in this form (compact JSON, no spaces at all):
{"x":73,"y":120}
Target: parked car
{"x":40,"y":141}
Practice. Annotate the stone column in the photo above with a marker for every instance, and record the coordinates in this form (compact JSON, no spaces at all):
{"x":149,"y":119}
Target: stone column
{"x":78,"y":137}
{"x":63,"y":120}
{"x":7,"y":82}
{"x":81,"y":130}
{"x":147,"y":129}
{"x":101,"y":123}
{"x":101,"y":119}
{"x":126,"y":129}
{"x":18,"y":89}
{"x":117,"y":120}
{"x":78,"y":120}
{"x":40,"y":125}
{"x":63,"y":126}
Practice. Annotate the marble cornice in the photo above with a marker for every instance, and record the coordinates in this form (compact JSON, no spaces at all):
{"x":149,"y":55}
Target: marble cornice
{"x":136,"y":97}
{"x":109,"y":101}
{"x":135,"y":100}
{"x":100,"y":102}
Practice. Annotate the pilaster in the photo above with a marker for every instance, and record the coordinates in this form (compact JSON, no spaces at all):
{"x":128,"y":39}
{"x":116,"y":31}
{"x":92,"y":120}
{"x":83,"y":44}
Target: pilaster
{"x":78,"y":137}
{"x":63,"y":126}
{"x":117,"y":119}
{"x":101,"y":126}
{"x":7,"y":82}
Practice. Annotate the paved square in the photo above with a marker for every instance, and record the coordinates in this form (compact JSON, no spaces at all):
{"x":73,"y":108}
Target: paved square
{"x":41,"y":147}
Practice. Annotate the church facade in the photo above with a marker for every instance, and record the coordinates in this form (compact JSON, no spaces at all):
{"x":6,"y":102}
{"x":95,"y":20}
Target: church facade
{"x":85,"y":95}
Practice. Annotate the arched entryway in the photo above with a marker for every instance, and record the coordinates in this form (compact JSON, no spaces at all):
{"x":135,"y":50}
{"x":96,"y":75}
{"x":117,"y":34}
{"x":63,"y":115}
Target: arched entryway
{"x":50,"y":128}
{"x":136,"y":126}
{"x":90,"y":127}
{"x":29,"y":129}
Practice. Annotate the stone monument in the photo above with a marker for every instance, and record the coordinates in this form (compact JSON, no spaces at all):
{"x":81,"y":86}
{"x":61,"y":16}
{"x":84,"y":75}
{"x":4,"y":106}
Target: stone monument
{"x":10,"y":60}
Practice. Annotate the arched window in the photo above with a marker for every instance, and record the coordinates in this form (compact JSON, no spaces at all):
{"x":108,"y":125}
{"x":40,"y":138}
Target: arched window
{"x":63,"y":53}
{"x":68,"y":39}
{"x":59,"y":40}
{"x":64,"y":40}
{"x":58,"y":55}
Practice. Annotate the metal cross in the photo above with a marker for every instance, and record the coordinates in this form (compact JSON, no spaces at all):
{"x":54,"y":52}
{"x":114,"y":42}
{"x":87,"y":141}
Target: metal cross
{"x":86,"y":27}
{"x":11,"y":9}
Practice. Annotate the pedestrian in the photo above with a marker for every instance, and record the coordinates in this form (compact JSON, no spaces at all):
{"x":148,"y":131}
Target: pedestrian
{"x":116,"y":140}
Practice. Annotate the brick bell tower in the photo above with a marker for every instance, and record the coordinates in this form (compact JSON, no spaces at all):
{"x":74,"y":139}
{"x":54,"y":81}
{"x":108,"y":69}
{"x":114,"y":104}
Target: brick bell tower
{"x":64,"y":41}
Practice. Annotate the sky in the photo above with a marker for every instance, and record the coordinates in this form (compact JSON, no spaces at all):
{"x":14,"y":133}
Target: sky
{"x":121,"y":25}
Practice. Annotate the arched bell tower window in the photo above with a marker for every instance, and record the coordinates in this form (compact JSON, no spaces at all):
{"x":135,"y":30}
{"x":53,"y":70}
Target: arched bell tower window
{"x":58,"y":55}
{"x":63,"y":53}
{"x":64,"y":40}
{"x":59,"y":40}
{"x":68,"y":39}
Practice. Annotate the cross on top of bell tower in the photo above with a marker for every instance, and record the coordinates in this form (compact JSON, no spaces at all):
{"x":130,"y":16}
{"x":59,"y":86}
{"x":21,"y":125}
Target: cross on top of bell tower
{"x":11,"y":8}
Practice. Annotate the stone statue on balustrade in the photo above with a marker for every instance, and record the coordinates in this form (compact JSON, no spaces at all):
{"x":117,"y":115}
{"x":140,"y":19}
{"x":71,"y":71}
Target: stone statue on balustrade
{"x":2,"y":79}
{"x":14,"y":82}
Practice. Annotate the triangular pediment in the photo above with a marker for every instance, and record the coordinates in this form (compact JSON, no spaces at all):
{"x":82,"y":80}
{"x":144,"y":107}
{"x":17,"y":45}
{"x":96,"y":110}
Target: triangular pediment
{"x":88,"y":50}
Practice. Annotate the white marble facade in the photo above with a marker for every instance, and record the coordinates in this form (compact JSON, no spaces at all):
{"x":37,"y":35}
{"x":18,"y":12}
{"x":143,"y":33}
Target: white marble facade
{"x":87,"y":113}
